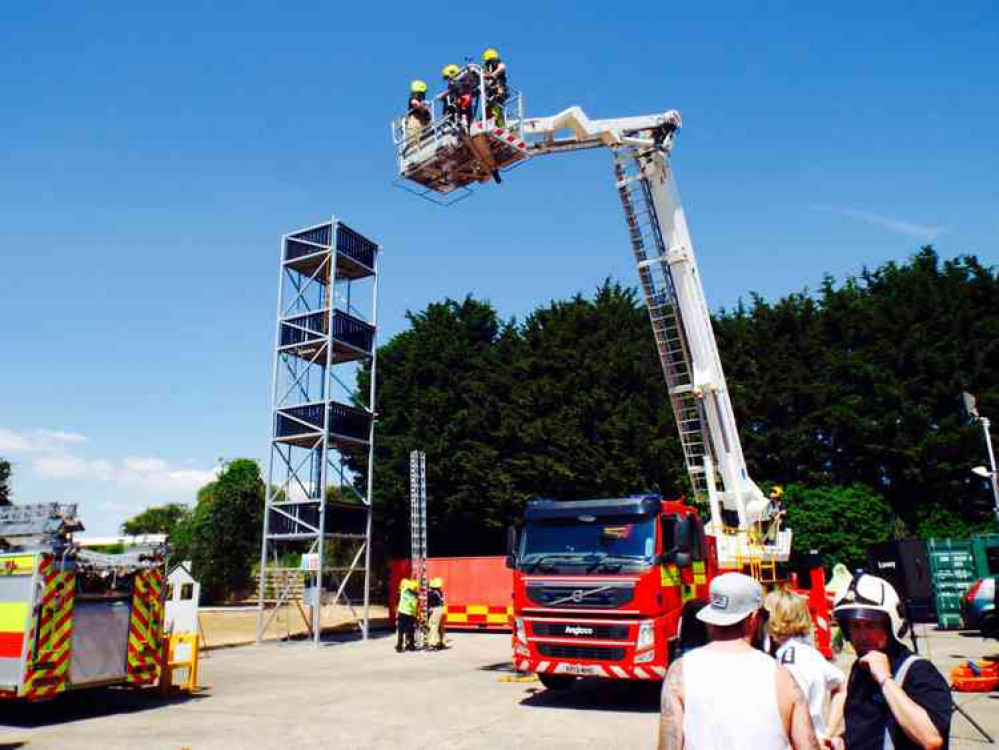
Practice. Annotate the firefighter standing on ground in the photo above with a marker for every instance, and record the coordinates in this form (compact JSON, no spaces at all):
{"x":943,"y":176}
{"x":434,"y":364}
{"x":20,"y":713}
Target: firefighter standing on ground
{"x":435,"y":604}
{"x":894,"y":699}
{"x":405,"y":615}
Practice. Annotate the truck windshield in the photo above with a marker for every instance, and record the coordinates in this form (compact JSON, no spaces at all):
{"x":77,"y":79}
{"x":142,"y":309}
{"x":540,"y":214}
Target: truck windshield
{"x":589,"y":540}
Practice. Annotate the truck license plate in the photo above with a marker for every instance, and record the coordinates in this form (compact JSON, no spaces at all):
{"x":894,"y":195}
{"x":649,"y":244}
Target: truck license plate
{"x":578,"y":669}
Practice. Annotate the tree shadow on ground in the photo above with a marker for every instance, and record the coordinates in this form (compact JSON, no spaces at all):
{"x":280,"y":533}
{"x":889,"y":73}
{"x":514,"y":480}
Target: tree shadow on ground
{"x":598,"y":695}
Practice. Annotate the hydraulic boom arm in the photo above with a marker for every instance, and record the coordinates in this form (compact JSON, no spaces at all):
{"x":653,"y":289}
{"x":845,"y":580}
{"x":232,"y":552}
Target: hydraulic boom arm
{"x":671,"y":285}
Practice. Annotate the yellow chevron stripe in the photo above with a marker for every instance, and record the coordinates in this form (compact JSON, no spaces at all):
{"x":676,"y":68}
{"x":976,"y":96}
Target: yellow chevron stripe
{"x":454,"y":617}
{"x":477,"y":609}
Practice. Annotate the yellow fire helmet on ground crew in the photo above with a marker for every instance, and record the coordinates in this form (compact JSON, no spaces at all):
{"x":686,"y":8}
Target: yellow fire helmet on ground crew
{"x":490,"y":54}
{"x":418,"y":87}
{"x":437,"y":583}
{"x":777,"y":492}
{"x":450,"y":71}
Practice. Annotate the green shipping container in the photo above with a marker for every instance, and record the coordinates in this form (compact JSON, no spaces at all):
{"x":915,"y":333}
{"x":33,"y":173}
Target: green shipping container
{"x":953,"y":569}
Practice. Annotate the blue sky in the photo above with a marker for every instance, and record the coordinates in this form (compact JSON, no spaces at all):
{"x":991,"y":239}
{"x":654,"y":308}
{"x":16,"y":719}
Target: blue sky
{"x":151,"y":158}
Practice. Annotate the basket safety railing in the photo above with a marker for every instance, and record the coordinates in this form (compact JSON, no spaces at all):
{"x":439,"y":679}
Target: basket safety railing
{"x":444,"y":129}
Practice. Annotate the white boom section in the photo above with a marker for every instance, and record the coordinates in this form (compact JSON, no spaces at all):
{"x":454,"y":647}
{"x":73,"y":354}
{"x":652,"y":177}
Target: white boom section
{"x":671,"y":284}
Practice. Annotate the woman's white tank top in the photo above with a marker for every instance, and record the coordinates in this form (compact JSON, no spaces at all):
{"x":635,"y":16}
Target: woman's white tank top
{"x":730,"y":701}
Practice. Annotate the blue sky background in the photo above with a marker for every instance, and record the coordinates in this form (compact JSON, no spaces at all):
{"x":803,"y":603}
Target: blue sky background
{"x":151,"y":157}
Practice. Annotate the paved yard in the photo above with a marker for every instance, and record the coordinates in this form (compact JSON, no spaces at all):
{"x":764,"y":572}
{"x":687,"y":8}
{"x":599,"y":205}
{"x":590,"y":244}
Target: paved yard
{"x":351,"y":694}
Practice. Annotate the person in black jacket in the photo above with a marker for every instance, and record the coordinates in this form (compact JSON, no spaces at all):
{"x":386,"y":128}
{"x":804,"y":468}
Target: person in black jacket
{"x":895,"y":700}
{"x":435,"y":606}
{"x":496,"y":87}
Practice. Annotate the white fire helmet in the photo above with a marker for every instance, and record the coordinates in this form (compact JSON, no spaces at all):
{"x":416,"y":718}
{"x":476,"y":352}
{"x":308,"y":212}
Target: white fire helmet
{"x":871,"y":598}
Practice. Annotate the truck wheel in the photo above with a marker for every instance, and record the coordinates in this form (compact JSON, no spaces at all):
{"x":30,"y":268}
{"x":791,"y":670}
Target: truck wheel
{"x":557,"y":681}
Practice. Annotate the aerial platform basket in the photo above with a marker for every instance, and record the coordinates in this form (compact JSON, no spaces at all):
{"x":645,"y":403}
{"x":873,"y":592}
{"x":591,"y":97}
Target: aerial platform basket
{"x":447,"y":156}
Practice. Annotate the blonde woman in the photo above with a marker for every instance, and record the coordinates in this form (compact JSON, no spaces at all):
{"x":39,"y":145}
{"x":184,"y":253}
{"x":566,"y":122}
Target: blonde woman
{"x":790,"y":628}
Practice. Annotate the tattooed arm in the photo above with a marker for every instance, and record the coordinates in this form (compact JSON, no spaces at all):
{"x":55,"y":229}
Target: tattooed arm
{"x":671,"y":716}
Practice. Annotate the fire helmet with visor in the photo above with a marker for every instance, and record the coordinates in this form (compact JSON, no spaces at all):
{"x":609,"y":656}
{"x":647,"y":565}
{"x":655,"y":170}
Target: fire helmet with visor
{"x":874,"y":599}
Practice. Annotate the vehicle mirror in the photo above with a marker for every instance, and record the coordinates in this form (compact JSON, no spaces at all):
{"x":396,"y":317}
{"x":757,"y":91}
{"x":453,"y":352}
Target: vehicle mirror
{"x":684,"y":536}
{"x":511,"y":540}
{"x":678,"y":541}
{"x":511,"y":562}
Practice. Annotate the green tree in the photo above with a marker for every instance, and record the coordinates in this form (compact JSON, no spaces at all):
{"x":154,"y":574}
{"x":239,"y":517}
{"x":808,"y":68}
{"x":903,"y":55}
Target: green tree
{"x":840,"y":522}
{"x":5,"y":472}
{"x":160,"y":519}
{"x":221,"y":535}
{"x":858,"y":384}
{"x":853,"y":385}
{"x":568,"y":404}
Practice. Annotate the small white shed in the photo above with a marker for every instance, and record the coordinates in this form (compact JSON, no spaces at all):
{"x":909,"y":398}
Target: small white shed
{"x":183,"y":593}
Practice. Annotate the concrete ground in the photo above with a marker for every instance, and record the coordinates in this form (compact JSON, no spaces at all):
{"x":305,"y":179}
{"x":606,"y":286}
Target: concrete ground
{"x":351,"y":694}
{"x":237,"y":626}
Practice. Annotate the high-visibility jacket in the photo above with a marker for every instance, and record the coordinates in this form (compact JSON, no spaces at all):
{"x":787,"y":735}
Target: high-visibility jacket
{"x":408,"y":602}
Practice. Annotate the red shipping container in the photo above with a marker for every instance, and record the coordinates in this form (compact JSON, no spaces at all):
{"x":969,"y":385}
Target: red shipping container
{"x":478,"y":590}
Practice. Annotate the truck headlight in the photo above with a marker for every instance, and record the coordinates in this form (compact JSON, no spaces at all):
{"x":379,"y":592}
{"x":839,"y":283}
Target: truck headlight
{"x":518,"y":629}
{"x":646,"y":635}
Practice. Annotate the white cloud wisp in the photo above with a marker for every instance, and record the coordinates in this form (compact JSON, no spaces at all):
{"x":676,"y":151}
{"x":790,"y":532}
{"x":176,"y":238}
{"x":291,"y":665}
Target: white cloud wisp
{"x":924,"y":232}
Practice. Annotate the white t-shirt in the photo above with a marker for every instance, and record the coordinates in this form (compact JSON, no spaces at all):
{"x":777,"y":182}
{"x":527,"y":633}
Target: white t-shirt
{"x":813,"y":674}
{"x":730,"y":701}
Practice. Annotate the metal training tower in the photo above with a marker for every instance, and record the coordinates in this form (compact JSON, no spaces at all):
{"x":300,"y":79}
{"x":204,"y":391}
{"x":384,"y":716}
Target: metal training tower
{"x":322,"y":442}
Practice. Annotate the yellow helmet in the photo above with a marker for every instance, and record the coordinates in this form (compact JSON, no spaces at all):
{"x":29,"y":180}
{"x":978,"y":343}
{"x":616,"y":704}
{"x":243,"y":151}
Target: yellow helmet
{"x":412,"y":585}
{"x":418,"y":87}
{"x":450,"y":71}
{"x":777,"y":492}
{"x":437,"y":583}
{"x":490,"y":54}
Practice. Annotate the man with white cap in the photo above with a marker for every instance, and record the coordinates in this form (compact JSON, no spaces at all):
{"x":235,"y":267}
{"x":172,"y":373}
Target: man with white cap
{"x":728,"y":695}
{"x":895,"y":700}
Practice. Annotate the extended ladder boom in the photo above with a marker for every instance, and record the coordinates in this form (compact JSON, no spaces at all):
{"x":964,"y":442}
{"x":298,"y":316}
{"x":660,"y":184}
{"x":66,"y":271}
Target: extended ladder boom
{"x":671,"y":285}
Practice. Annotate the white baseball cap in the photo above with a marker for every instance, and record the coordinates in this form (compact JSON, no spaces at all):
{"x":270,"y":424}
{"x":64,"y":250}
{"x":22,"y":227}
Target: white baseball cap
{"x":734,"y":597}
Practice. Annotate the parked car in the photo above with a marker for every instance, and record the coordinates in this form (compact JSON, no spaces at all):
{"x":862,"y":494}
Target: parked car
{"x":978,"y":607}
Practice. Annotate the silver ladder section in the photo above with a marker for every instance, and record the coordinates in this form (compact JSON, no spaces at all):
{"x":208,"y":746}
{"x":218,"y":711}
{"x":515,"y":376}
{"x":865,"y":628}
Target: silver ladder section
{"x":651,"y":255}
{"x":418,"y":521}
